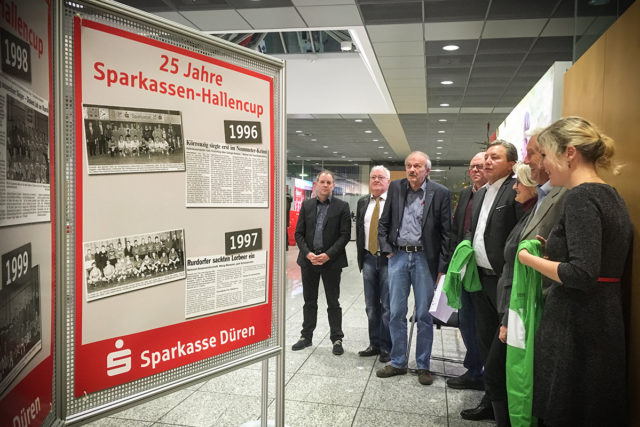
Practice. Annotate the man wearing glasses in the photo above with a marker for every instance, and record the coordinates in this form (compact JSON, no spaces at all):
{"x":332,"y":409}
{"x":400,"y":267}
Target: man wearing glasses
{"x":374,"y":266}
{"x":472,"y":379}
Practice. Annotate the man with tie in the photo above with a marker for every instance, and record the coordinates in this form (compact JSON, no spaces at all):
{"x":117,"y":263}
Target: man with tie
{"x":492,"y":218}
{"x":413,"y":232}
{"x":322,"y":232}
{"x":472,"y":379}
{"x":373,"y":265}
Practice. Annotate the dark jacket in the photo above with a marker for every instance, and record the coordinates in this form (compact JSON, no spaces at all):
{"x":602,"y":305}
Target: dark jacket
{"x":457,"y":226}
{"x":436,"y":223}
{"x":336,"y":232}
{"x":504,"y":214}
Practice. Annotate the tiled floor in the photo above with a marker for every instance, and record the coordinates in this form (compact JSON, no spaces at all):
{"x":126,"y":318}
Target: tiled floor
{"x":321,"y":389}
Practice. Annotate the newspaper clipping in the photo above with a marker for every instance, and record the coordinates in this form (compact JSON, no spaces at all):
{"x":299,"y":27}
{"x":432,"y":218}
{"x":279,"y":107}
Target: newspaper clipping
{"x":20,"y":324}
{"x":24,"y":156}
{"x":131,"y":140}
{"x":225,"y":282}
{"x":124,"y":264}
{"x":223,"y":175}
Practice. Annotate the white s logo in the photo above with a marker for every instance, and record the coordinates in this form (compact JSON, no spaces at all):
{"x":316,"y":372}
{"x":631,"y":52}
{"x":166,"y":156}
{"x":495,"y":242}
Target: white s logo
{"x":119,"y":362}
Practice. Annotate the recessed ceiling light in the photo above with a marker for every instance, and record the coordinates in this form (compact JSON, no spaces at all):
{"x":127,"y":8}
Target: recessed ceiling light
{"x":375,"y":140}
{"x":438,"y":148}
{"x":437,"y":158}
{"x":389,"y":157}
{"x":386,"y":152}
{"x":438,"y":153}
{"x":444,"y":104}
{"x":335,"y":152}
{"x":316,"y":163}
{"x":325,"y":146}
{"x":344,"y":157}
{"x":381,"y":146}
{"x":358,"y":120}
{"x":298,"y":131}
{"x":442,"y":120}
{"x":450,"y":47}
{"x":438,"y":140}
{"x":351,"y":160}
{"x":368,"y":131}
{"x":446,"y":82}
{"x":440,"y":131}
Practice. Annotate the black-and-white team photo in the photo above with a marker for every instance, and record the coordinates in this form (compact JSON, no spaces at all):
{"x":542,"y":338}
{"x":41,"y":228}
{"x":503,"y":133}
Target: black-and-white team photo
{"x":27,"y":143}
{"x":20,"y":325}
{"x":127,"y":263}
{"x":131,"y":140}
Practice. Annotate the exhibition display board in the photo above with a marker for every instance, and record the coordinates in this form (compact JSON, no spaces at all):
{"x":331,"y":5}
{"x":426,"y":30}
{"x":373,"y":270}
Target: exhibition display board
{"x":173,"y":145}
{"x":26,"y":220}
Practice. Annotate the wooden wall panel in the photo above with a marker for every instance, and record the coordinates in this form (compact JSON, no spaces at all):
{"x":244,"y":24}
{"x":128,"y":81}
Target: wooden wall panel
{"x":605,"y":88}
{"x":584,"y":84}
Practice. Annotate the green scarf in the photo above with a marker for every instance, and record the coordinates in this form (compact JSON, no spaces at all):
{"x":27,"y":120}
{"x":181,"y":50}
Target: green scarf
{"x":462,"y":271}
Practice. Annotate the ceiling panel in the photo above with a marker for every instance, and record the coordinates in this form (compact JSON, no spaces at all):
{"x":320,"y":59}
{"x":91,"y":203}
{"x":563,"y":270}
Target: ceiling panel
{"x":194,"y":5}
{"x":331,"y":16}
{"x":277,"y":17}
{"x":455,"y":10}
{"x":253,"y":4}
{"x":510,"y":9}
{"x":465,"y":47}
{"x":391,"y":13}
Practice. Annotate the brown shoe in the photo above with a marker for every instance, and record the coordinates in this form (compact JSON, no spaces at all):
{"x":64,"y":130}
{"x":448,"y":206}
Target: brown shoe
{"x":424,"y":377}
{"x":390,"y":371}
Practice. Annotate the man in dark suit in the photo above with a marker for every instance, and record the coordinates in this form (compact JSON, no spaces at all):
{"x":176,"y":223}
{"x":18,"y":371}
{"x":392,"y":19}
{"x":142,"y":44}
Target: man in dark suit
{"x":414,"y":234}
{"x":492,"y":218}
{"x":322,"y":232}
{"x":472,"y":379}
{"x":373,"y":265}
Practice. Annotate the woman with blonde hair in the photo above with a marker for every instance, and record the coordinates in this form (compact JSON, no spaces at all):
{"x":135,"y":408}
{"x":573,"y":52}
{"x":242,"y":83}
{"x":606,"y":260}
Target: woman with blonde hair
{"x":579,"y":354}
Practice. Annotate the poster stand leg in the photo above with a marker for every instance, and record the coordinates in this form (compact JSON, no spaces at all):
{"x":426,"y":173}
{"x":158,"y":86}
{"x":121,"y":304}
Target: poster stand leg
{"x":265,"y":393}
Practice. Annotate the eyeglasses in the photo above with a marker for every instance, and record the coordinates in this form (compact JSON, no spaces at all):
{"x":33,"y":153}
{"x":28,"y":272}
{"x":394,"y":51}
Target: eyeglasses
{"x":378,"y":177}
{"x":479,"y":167}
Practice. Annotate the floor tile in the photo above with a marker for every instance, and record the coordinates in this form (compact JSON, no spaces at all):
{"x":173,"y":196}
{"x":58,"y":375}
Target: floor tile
{"x":315,"y":414}
{"x":118,"y":422}
{"x":367,"y":417}
{"x":154,"y":409}
{"x":329,"y":390}
{"x":403,"y":393}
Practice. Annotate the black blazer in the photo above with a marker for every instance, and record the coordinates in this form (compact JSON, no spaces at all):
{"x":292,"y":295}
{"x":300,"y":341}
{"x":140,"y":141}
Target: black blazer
{"x":457,"y":226}
{"x":336,"y":233}
{"x":504,"y":214}
{"x":361,"y":210}
{"x":436,"y":223}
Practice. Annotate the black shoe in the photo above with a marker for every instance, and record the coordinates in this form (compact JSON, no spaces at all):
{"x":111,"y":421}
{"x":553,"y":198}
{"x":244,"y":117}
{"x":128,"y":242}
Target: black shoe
{"x":369,"y":351}
{"x":390,"y":371}
{"x":301,"y":344}
{"x":466,"y":382}
{"x":480,"y":412}
{"x":337,"y":348}
{"x":385,"y":357}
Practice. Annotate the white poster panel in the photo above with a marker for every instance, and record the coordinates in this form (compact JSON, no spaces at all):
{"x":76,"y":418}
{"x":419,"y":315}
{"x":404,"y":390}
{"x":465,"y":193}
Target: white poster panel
{"x":224,"y":282}
{"x":213,"y":176}
{"x":24,"y":155}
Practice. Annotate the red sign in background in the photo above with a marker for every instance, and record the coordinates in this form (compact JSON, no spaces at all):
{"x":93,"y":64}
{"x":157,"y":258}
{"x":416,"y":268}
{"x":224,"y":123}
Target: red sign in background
{"x":121,"y":359}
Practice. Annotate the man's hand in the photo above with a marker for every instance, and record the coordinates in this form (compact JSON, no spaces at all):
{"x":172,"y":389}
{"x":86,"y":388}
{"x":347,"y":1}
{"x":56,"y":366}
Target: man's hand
{"x":502,"y":335}
{"x":321,"y":259}
{"x":312,"y":257}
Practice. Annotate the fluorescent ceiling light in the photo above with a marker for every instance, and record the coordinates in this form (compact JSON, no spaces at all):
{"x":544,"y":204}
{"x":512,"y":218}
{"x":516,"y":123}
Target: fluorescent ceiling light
{"x":438,"y":140}
{"x":368,"y":131}
{"x":438,"y":148}
{"x":444,"y":105}
{"x":450,"y":47}
{"x":298,"y":131}
{"x":446,"y":82}
{"x":440,"y":131}
{"x":442,"y":120}
{"x":325,"y":146}
{"x":358,"y":120}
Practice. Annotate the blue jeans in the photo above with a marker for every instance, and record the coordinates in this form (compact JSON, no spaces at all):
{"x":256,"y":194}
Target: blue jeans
{"x":376,"y":298}
{"x":406,"y":269}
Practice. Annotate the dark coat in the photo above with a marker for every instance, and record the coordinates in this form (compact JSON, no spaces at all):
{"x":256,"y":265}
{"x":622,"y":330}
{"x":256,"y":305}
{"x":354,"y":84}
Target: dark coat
{"x":361,"y":210}
{"x":504,"y":214}
{"x":436,"y":223}
{"x":457,"y":226}
{"x":336,"y":232}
